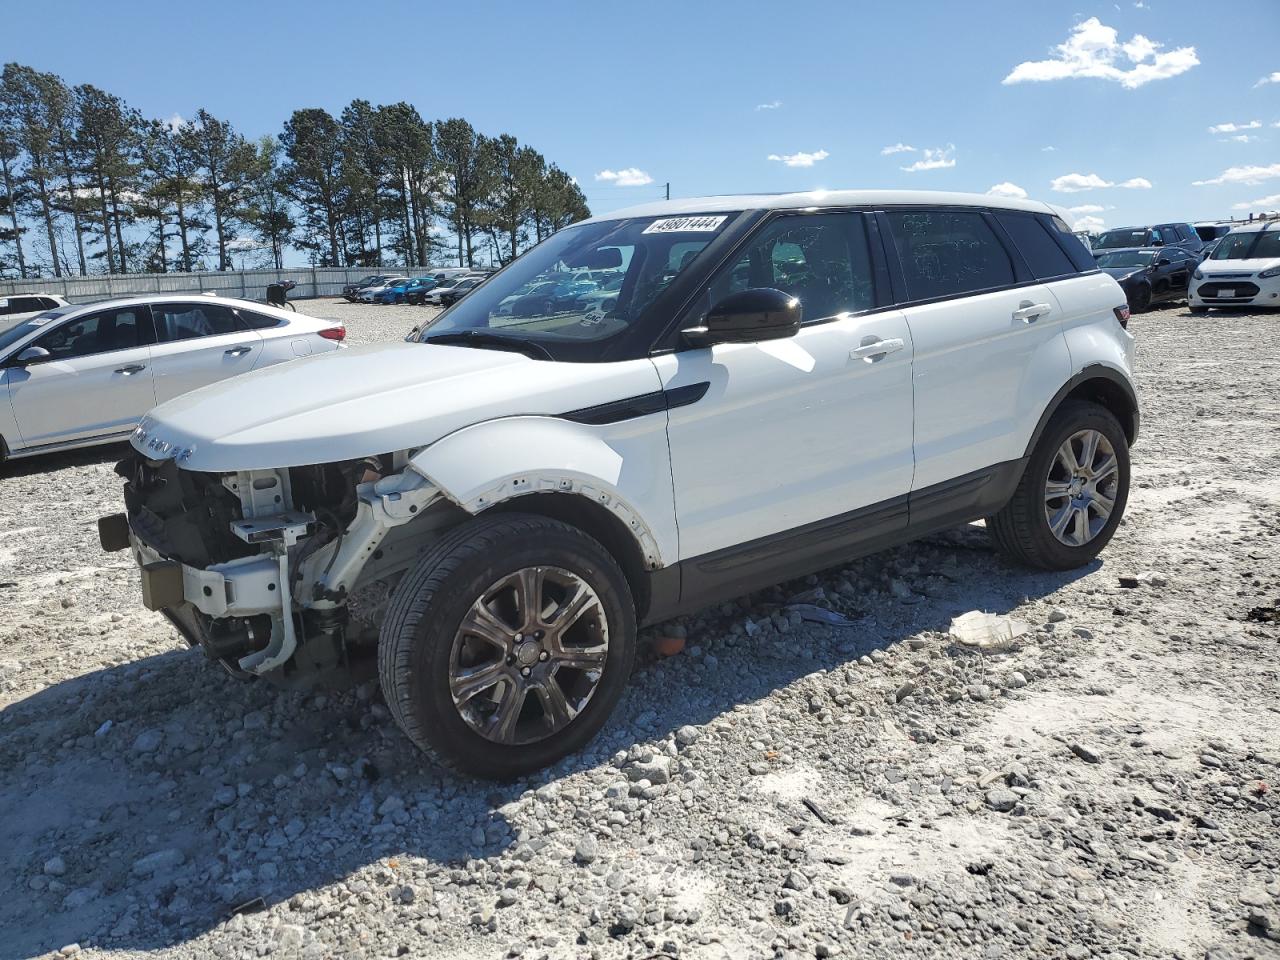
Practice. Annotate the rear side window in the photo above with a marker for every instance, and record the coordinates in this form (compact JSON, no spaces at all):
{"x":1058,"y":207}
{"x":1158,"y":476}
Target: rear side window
{"x":1073,"y":245}
{"x":1042,"y":253}
{"x":186,"y":321}
{"x":948,"y":252}
{"x":259,"y":321}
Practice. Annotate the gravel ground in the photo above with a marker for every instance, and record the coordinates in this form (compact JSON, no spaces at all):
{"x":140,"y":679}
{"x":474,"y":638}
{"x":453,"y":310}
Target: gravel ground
{"x":1105,"y":785}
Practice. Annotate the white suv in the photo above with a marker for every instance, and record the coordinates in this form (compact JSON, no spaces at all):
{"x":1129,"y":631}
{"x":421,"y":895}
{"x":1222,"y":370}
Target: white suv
{"x":1242,"y":271}
{"x":782,"y":383}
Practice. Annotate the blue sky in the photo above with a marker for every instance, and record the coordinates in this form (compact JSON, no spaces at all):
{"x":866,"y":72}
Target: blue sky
{"x":703,"y":94}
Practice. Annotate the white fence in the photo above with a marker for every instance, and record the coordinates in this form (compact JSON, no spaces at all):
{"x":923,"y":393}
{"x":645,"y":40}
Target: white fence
{"x":250,"y":284}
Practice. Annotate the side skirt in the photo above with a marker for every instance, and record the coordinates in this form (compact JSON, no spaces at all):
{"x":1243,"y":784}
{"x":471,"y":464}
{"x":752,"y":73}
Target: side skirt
{"x":70,"y":444}
{"x":701,"y":581}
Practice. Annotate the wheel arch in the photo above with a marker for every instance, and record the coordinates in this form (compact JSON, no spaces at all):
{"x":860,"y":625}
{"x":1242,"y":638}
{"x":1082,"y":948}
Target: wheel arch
{"x":1103,"y":385}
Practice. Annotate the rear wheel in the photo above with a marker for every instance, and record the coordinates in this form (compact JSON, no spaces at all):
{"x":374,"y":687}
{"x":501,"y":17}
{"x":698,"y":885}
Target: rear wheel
{"x":508,"y":646}
{"x":1072,"y":494}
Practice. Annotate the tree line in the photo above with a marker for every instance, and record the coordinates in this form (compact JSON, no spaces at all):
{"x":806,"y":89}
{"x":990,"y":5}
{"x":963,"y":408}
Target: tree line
{"x":90,"y":185}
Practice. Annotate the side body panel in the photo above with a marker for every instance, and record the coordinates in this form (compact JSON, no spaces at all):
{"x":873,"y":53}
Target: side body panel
{"x":185,"y":365}
{"x":622,"y":466}
{"x":1090,"y":330}
{"x":983,"y":374}
{"x":790,"y":431}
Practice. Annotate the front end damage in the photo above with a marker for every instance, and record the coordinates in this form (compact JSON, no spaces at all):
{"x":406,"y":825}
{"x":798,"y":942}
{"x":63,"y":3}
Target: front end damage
{"x":279,"y":573}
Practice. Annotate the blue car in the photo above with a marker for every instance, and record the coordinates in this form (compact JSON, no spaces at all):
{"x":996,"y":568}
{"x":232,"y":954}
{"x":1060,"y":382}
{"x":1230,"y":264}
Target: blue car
{"x":398,"y":293}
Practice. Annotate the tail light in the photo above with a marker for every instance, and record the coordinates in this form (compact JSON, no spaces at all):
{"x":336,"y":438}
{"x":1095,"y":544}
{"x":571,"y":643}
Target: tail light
{"x":340,"y":333}
{"x":1122,"y":315}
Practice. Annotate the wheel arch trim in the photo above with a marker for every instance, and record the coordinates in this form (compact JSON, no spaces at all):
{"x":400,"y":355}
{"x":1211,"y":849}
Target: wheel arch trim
{"x":1105,"y":377}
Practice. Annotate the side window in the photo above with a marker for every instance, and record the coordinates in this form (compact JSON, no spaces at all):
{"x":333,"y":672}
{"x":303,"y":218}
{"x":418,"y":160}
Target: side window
{"x":1042,"y":253}
{"x":1074,"y":247}
{"x":186,"y":321}
{"x":258,"y":321}
{"x":821,"y":259}
{"x":1188,"y":232}
{"x":96,"y":333}
{"x":948,"y":252}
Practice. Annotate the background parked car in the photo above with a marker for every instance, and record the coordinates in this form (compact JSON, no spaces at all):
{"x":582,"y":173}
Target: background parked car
{"x":459,"y":290}
{"x":30,"y":303}
{"x":1149,"y":274}
{"x":419,"y":288}
{"x":352,"y":290}
{"x":433,"y":296}
{"x":86,"y":374}
{"x":1243,"y":271}
{"x":1161,"y":235}
{"x":370,"y":293}
{"x":398,"y":292}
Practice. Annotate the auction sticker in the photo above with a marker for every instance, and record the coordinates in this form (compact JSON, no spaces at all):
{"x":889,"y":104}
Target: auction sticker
{"x":685,"y":225}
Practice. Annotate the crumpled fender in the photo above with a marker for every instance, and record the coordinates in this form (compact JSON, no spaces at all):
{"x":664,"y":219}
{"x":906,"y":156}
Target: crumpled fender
{"x":624,"y":467}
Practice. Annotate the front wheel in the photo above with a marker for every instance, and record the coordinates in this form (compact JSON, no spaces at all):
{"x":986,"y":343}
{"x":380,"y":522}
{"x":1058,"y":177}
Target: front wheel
{"x":508,"y":646}
{"x":1140,"y":300}
{"x":1072,"y":493}
{"x":1197,"y":311}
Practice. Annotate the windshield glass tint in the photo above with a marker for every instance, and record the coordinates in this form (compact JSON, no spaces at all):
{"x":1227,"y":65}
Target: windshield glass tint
{"x":1234,"y":246}
{"x":1121,"y":238}
{"x":1128,"y":258}
{"x":585,"y":284}
{"x":11,"y":332}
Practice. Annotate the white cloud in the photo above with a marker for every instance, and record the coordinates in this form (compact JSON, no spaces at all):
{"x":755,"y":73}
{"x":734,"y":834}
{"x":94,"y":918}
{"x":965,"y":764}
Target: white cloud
{"x":800,"y":159}
{"x":1262,"y":203}
{"x":175,"y":123}
{"x":1249,"y":175}
{"x":1093,"y":50}
{"x":1089,"y":224}
{"x":1007,"y":189}
{"x":939,"y":158}
{"x":1239,"y":138}
{"x":771,"y":105}
{"x":1080,"y":182}
{"x":1049,"y":149}
{"x":1234,"y":127}
{"x":897,"y":148}
{"x":628,"y":177}
{"x":1088,"y":208}
{"x":1269,"y":78}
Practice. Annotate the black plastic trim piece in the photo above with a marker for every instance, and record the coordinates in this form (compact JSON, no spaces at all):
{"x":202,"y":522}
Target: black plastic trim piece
{"x":616,"y":411}
{"x":1094,"y":371}
{"x":700,"y":581}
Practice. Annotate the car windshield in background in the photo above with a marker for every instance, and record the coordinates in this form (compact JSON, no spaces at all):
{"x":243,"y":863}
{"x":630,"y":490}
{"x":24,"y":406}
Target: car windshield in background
{"x":1255,"y":245}
{"x":1127,"y":258}
{"x":585,"y":284}
{"x":14,"y":332}
{"x":1121,"y":238}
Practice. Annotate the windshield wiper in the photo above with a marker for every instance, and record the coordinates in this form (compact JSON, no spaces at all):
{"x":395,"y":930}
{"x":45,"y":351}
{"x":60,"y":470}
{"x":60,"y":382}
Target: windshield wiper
{"x":482,"y":340}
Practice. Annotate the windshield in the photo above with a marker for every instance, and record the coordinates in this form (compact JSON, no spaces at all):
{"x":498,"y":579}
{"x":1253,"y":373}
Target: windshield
{"x":1122,"y":238}
{"x":11,"y":331}
{"x":1128,"y":258}
{"x":1257,"y":245}
{"x":585,"y":284}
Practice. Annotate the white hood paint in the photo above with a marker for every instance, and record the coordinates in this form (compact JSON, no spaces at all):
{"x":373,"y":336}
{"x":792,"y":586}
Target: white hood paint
{"x":372,"y":399}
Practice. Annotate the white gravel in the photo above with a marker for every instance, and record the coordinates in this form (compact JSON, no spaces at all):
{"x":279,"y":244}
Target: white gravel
{"x":1107,"y":786}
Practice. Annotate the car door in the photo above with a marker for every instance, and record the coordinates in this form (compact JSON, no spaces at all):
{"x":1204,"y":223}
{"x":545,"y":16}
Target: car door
{"x":810,"y":430}
{"x":989,"y":350}
{"x":199,"y":342}
{"x":96,"y":382}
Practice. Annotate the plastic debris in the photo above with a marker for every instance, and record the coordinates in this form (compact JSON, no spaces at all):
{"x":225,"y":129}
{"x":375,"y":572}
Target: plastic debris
{"x":987,"y":631}
{"x":816,"y":614}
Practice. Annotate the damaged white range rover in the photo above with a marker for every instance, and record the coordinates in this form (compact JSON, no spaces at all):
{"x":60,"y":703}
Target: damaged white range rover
{"x":775,"y":385}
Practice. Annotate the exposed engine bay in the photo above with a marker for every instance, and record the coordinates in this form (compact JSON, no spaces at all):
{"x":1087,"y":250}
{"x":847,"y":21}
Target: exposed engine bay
{"x":281,"y":573}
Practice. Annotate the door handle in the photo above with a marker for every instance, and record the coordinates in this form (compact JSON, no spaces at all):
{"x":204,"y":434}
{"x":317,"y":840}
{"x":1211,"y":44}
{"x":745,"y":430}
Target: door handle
{"x":1029,"y":312}
{"x":237,"y":351}
{"x":873,"y":348}
{"x":131,"y":369}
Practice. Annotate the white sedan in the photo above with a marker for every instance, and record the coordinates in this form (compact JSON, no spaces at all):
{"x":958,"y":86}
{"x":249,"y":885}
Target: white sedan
{"x":86,"y":374}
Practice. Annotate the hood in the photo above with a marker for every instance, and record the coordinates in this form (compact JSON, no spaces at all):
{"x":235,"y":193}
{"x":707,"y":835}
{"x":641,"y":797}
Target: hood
{"x":377,"y":398}
{"x":1241,"y":268}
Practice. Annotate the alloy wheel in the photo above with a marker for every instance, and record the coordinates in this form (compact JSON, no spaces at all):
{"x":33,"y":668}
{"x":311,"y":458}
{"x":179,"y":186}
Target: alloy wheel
{"x":529,"y":655}
{"x":1080,"y":490}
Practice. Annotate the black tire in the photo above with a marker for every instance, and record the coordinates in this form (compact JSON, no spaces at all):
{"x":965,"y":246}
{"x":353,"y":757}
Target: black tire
{"x":1022,"y":531}
{"x":1197,"y":311}
{"x":1140,"y":301}
{"x":415,"y":647}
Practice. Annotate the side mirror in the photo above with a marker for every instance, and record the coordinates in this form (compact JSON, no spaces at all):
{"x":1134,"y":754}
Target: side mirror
{"x":1163,"y":262}
{"x":32,"y":355}
{"x":761,"y":313}
{"x":1157,"y":243}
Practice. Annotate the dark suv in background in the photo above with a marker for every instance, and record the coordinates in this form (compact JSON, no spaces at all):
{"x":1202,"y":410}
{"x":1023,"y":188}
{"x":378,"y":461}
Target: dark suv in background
{"x":1161,"y":235}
